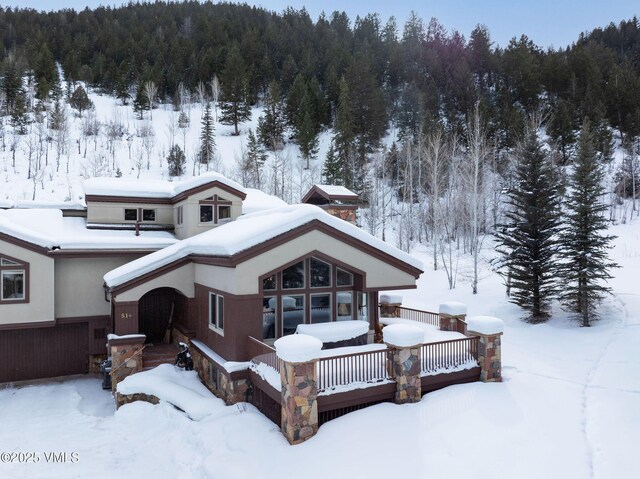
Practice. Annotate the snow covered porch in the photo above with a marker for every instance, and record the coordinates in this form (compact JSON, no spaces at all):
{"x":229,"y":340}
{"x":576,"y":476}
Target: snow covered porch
{"x":417,"y":356}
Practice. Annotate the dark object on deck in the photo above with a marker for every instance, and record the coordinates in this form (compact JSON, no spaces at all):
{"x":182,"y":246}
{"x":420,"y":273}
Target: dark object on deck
{"x":183,"y":359}
{"x":105,"y":369}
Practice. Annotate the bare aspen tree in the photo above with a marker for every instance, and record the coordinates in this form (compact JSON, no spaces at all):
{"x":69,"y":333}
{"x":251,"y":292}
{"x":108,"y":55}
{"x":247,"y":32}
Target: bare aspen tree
{"x":449,"y":213}
{"x":150,"y":92}
{"x":215,"y":94}
{"x":14,"y":143}
{"x":201,"y":91}
{"x":435,"y":160}
{"x":476,"y":139}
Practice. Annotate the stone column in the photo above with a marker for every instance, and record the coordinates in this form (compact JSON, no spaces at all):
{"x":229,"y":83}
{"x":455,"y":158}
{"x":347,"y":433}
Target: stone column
{"x":405,"y":344}
{"x":390,"y":305}
{"x":126,"y":356}
{"x":489,"y":331}
{"x":298,"y":355}
{"x":452,"y":316}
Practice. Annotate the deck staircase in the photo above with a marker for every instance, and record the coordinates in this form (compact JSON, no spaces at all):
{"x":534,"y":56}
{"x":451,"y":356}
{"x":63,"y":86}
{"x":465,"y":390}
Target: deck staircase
{"x":158,"y":353}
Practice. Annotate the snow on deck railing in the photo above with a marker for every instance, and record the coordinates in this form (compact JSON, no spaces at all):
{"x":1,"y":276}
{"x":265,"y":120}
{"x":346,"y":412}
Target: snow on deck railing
{"x":365,"y":369}
{"x":371,"y":367}
{"x":445,"y":356}
{"x":420,"y":316}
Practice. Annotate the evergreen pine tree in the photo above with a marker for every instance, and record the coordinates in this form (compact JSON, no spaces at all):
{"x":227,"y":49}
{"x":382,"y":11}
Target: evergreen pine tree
{"x":207,"y":138}
{"x":176,"y":161}
{"x":308,"y":138}
{"x":57,"y":116}
{"x":528,"y":239}
{"x":584,"y":238}
{"x":344,"y":136}
{"x":234,"y":106}
{"x":19,"y":118}
{"x":140,"y":103}
{"x":272,"y":124}
{"x":254,"y":160}
{"x":80,"y":100}
{"x":11,"y":85}
{"x":333,"y":169}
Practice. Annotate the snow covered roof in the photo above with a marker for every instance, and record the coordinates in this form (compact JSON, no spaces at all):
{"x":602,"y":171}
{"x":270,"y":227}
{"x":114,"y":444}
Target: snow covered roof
{"x":59,"y":205}
{"x":154,"y":188}
{"x":330,"y":192}
{"x":336,"y":190}
{"x":257,"y":200}
{"x":49,"y":229}
{"x":248,"y":231}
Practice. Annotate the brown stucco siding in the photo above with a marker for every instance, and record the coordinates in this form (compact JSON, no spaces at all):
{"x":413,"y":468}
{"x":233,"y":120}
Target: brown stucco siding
{"x":243,"y":318}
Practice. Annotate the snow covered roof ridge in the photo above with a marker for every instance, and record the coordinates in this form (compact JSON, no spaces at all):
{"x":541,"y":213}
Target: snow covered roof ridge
{"x":137,"y":188}
{"x":248,"y":231}
{"x":337,"y":190}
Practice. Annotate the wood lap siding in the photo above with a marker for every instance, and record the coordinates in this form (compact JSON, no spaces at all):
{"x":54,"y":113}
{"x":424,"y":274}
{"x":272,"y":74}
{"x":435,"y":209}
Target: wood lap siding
{"x":44,"y":352}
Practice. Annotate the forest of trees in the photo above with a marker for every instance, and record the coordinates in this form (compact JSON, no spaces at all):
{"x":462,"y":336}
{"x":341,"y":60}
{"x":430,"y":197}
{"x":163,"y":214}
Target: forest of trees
{"x":422,"y":120}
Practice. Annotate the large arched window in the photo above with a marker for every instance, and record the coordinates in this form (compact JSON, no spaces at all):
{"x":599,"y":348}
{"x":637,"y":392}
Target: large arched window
{"x":13,"y":280}
{"x":311,"y":290}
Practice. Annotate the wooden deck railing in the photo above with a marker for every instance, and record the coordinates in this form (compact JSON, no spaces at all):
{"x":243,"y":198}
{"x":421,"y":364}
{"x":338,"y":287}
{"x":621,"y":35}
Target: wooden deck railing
{"x":262,"y":353}
{"x":445,"y":355}
{"x":365,"y":367}
{"x":421,"y":316}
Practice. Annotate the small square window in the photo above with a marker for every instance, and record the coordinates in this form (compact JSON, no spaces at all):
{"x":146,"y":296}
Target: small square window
{"x":344,"y":278}
{"x":224,"y":213}
{"x":293,"y":276}
{"x":131,"y":214}
{"x":148,"y":215}
{"x":270,"y":283}
{"x":206,"y":213}
{"x":12,"y":285}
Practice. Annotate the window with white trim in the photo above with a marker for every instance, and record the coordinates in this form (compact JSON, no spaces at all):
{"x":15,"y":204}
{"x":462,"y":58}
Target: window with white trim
{"x":179,"y":214}
{"x":216,"y":312}
{"x":13,"y":280}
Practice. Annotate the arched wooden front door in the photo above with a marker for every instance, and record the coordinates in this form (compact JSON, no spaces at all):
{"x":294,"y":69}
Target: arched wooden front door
{"x":154,"y":312}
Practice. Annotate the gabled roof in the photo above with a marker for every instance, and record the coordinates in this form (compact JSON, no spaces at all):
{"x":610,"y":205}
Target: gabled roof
{"x":250,"y":232}
{"x":113,"y":189}
{"x":330,"y":193}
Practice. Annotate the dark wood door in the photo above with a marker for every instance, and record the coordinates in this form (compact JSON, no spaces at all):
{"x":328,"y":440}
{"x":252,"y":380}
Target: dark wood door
{"x":154,"y":309}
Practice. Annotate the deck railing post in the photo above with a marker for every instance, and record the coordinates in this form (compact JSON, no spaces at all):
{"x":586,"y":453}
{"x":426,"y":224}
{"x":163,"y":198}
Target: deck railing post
{"x":405,"y":344}
{"x":489,"y":331}
{"x":299,"y":392}
{"x":452,"y":317}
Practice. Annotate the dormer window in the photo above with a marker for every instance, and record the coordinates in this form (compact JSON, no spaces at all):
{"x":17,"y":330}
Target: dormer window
{"x":215,"y":210}
{"x":13,"y":280}
{"x":139,"y":214}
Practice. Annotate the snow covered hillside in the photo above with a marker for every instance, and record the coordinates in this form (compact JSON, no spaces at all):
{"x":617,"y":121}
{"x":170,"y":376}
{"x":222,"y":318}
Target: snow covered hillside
{"x":569,"y":407}
{"x":140,"y":152}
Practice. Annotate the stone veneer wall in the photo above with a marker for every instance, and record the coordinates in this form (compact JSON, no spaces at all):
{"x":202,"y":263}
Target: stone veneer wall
{"x":490,"y":357}
{"x":406,"y":370}
{"x":299,"y":398}
{"x":126,"y":358}
{"x":230,"y":390}
{"x":122,"y":399}
{"x":453,"y":323}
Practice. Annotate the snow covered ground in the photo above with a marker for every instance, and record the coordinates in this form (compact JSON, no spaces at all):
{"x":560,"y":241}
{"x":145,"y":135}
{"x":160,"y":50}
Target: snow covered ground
{"x":569,"y":407}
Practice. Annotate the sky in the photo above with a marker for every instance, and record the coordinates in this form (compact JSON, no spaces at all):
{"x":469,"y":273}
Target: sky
{"x":549,"y":23}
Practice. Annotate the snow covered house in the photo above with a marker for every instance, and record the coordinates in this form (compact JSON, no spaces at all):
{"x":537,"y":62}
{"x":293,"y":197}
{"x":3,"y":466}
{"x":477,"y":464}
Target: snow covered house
{"x":335,"y":200}
{"x":203,"y":257}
